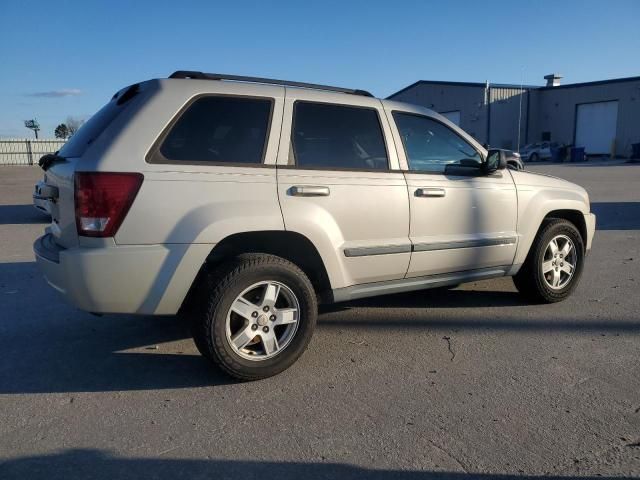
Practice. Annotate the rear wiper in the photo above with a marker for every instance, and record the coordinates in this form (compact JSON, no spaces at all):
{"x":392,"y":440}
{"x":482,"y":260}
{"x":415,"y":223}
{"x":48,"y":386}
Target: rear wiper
{"x":49,"y":159}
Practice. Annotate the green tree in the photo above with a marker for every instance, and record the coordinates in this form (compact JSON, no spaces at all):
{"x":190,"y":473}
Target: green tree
{"x":61,"y":131}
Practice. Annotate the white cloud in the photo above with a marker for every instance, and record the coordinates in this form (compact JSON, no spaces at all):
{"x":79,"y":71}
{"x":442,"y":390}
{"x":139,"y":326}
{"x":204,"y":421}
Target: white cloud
{"x":65,"y":92}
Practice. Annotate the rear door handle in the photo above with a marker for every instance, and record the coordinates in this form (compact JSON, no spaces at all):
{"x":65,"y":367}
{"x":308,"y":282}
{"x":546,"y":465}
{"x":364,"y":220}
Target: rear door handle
{"x":430,"y":192}
{"x":309,"y":191}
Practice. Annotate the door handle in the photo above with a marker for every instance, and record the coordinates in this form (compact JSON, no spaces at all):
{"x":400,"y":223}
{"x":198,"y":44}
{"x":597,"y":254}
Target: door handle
{"x":430,"y":192}
{"x":309,"y":191}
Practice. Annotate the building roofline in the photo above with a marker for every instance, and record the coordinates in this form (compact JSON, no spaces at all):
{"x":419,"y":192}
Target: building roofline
{"x":589,"y":84}
{"x":463,"y":84}
{"x":508,"y":85}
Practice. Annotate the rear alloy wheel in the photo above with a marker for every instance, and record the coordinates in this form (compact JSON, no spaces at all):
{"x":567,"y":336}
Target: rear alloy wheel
{"x":533,"y":157}
{"x":262,"y":320}
{"x":256,"y":316}
{"x":554,"y":264}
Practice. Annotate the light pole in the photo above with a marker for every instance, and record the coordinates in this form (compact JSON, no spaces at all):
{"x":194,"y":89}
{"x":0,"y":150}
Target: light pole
{"x":33,"y":125}
{"x":520,"y":106}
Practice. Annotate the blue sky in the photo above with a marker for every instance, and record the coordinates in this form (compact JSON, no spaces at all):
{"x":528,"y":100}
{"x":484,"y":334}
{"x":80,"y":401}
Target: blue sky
{"x":66,"y":58}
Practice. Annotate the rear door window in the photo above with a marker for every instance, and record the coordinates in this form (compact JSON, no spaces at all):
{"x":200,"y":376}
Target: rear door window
{"x":332,"y":136}
{"x":217,"y":129}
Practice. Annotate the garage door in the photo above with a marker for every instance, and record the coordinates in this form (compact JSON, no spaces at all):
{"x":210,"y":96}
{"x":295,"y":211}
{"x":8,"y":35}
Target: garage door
{"x":596,"y":126}
{"x":453,"y":117}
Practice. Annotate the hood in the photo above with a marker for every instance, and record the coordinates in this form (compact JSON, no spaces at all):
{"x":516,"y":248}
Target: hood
{"x":541,"y":180}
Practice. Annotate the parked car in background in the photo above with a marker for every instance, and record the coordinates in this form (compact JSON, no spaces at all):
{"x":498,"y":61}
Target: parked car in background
{"x":535,"y":152}
{"x":514,"y":160}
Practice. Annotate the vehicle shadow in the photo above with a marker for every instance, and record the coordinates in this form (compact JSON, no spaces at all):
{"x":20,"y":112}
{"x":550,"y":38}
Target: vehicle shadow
{"x":99,"y":464}
{"x":617,"y":215}
{"x":22,"y":215}
{"x":48,"y":346}
{"x":436,"y":298}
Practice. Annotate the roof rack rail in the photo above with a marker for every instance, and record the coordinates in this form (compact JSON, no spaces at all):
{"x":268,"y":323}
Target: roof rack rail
{"x":271,"y":81}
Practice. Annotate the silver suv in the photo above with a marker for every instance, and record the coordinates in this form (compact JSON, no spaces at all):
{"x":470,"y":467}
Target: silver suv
{"x":244,"y":202}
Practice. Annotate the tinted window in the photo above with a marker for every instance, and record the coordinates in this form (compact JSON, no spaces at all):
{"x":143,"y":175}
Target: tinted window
{"x":431,"y":146}
{"x":220,"y":129}
{"x":336,"y":136}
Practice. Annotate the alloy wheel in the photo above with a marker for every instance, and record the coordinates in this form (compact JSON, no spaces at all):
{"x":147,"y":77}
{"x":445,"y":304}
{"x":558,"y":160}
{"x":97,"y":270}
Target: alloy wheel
{"x":559,"y":262}
{"x":262,"y":320}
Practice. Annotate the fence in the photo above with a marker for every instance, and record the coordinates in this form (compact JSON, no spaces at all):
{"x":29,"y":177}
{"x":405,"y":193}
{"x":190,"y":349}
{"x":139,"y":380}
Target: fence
{"x":27,"y":151}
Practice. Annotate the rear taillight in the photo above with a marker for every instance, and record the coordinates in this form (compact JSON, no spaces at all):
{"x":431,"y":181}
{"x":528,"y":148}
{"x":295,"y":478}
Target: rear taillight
{"x":103,"y":200}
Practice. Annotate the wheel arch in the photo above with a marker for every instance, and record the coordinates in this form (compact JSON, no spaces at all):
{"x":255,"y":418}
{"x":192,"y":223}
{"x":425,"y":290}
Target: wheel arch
{"x":292,"y":246}
{"x":530,"y":228}
{"x":576,"y":217}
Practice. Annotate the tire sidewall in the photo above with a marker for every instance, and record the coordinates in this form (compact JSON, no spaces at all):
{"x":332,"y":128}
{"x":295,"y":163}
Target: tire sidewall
{"x":554,"y":229}
{"x":302,"y":289}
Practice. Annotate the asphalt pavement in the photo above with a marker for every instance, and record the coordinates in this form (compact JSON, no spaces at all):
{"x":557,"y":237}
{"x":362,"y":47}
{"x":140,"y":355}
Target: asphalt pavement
{"x":460,"y":384}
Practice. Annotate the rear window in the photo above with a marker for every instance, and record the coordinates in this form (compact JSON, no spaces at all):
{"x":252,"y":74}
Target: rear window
{"x":92,"y":128}
{"x":220,"y":130}
{"x":338,"y":136}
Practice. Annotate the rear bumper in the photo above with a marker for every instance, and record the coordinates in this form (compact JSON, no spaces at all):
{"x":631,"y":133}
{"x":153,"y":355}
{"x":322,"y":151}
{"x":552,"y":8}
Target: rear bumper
{"x":41,"y":204}
{"x":590,"y":222}
{"x":142,"y":279}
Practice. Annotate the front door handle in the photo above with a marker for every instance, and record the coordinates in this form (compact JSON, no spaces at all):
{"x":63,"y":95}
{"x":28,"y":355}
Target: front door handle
{"x":309,"y":191}
{"x":430,"y":192}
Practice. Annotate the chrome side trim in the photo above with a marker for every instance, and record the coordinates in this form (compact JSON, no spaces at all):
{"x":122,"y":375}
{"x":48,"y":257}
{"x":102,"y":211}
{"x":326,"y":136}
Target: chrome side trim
{"x":383,"y":250}
{"x":485,"y":242}
{"x":427,"y":247}
{"x":417,"y":283}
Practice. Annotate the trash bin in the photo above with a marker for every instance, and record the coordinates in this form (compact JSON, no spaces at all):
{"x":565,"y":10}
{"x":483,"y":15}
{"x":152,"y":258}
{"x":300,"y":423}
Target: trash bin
{"x":635,"y":151}
{"x":577,"y":154}
{"x":556,"y":154}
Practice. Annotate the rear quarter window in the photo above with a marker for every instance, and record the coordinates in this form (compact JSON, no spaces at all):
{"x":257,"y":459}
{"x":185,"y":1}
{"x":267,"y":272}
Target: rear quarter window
{"x":219,"y":130}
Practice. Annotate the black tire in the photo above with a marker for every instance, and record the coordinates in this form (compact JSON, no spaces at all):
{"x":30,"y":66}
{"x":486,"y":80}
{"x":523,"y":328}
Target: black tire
{"x":530,"y":280}
{"x":534,"y":157}
{"x":208,"y":323}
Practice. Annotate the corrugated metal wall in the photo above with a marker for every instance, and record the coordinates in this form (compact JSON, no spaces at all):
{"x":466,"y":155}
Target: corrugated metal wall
{"x":508,"y":109}
{"x":27,"y":151}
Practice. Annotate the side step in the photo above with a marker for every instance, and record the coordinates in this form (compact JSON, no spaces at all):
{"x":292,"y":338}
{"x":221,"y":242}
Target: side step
{"x":417,"y":283}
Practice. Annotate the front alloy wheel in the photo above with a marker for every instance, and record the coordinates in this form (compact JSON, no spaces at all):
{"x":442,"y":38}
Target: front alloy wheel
{"x":553,"y":266}
{"x":559,"y":262}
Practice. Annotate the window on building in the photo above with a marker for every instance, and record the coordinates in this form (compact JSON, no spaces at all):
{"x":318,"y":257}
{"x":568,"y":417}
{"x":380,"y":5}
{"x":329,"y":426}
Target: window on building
{"x":337,"y":136}
{"x":220,"y":130}
{"x":430,"y":146}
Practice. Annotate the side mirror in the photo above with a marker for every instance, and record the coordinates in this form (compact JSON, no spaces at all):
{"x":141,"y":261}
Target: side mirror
{"x":496,"y":160}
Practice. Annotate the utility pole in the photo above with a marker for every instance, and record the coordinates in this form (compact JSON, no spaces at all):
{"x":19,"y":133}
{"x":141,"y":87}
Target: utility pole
{"x":520,"y":106}
{"x":33,"y":125}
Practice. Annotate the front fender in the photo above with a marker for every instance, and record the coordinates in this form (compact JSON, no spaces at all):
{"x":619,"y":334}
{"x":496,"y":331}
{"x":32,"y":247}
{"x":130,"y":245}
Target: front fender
{"x":536,"y":199}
